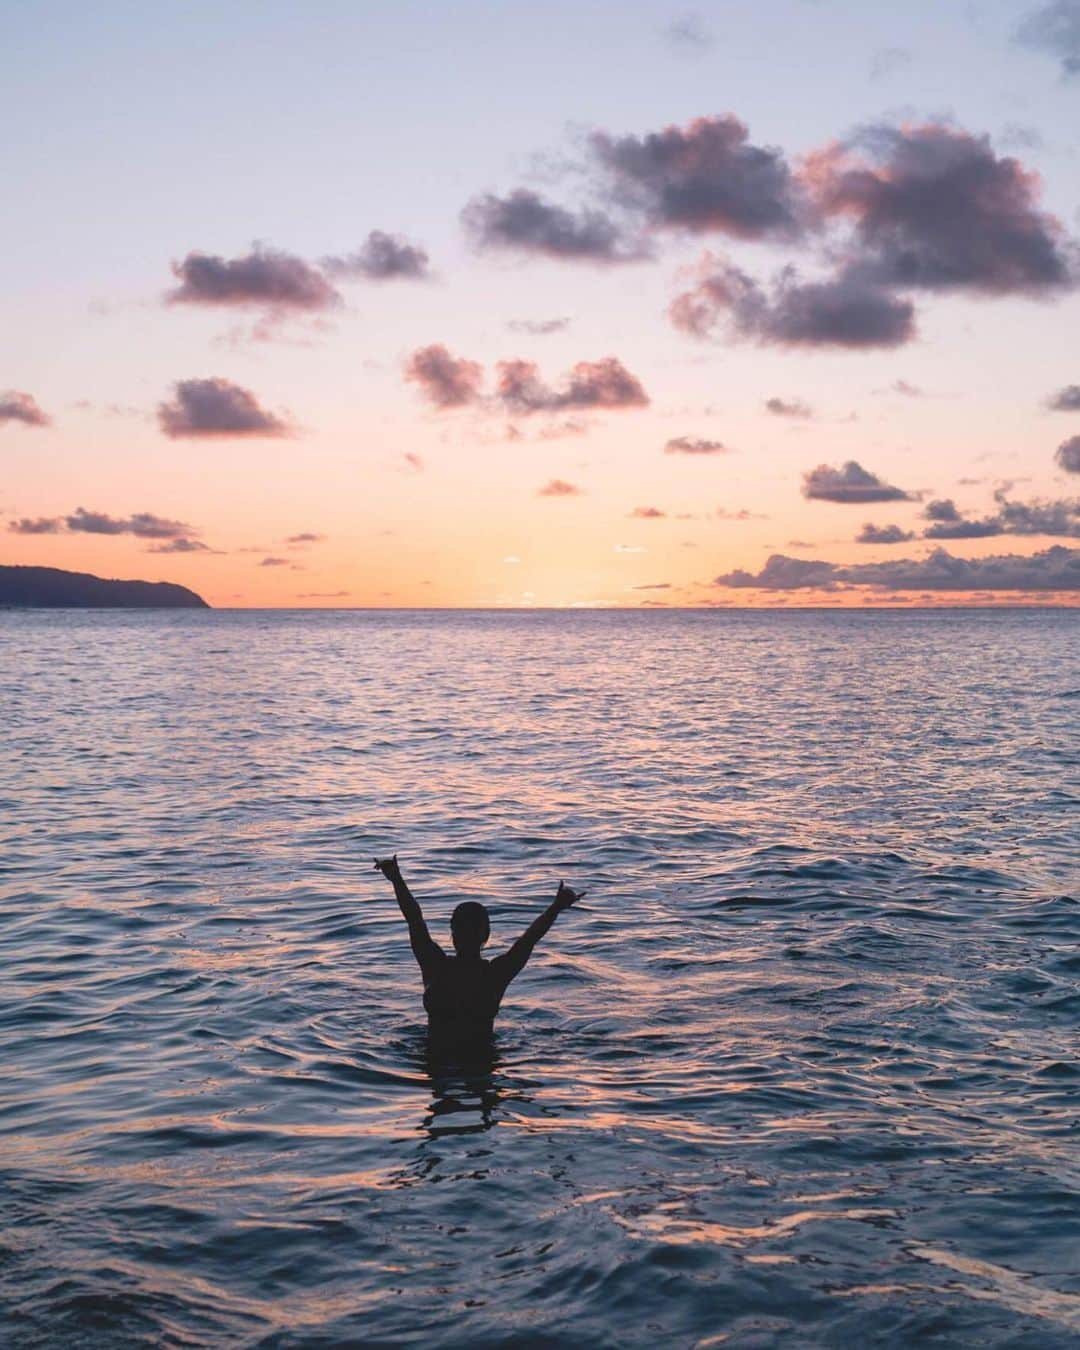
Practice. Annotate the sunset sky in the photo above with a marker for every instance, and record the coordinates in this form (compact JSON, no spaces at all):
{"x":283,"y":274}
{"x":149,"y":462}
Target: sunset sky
{"x":462,"y":304}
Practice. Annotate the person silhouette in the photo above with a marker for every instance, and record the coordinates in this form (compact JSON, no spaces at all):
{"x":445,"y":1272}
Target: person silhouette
{"x":462,"y":992}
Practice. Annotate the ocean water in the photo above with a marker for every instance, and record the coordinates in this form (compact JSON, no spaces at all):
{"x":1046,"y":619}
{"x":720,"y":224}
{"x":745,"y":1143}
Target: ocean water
{"x":800,"y":1070}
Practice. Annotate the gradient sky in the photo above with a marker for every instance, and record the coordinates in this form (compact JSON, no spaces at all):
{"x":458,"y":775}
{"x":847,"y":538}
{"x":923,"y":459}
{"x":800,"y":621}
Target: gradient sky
{"x":148,"y":134}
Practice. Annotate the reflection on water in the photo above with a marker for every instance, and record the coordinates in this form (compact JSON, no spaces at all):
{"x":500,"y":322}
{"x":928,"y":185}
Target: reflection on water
{"x":801,"y":1070}
{"x":466,"y":1088}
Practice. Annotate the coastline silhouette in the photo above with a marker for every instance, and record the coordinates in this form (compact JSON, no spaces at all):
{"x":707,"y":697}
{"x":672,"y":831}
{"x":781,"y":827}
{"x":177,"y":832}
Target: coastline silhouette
{"x":463,"y":992}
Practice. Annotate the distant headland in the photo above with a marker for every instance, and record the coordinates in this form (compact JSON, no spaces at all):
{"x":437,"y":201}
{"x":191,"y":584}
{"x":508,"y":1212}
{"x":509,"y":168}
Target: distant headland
{"x":53,"y":588}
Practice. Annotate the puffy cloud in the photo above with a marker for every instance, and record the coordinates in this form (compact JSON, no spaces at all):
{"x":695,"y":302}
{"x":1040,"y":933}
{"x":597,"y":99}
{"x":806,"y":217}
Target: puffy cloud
{"x":381,"y":257}
{"x":964,"y":529}
{"x":935,"y":208}
{"x":1060,"y":518}
{"x":538,"y":327}
{"x":722,"y":513}
{"x":558,"y":487}
{"x":705,"y":176}
{"x":446,"y":381}
{"x":695,"y":445}
{"x":452,"y":382}
{"x":590,"y":384}
{"x":16,"y":406}
{"x":847,"y":310}
{"x":264,"y":277}
{"x":883,"y":534}
{"x":143,"y":524}
{"x":1055,"y":569}
{"x":37,"y":525}
{"x":1055,"y":28}
{"x":781,"y":573}
{"x":850,"y":484}
{"x":524,"y":221}
{"x":216,"y":407}
{"x":647,"y":513}
{"x":1067,"y":399}
{"x":1067,"y":455}
{"x":793,"y":407}
{"x":941,"y":509}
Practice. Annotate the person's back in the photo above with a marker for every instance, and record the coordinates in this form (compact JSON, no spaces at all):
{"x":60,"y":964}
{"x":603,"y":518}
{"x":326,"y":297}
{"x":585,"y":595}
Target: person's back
{"x":462,"y":993}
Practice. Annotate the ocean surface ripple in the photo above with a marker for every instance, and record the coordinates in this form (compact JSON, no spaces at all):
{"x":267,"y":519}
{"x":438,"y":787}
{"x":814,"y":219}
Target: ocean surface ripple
{"x":801,"y":1070}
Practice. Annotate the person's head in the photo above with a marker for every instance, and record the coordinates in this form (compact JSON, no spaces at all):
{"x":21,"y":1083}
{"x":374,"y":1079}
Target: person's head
{"x":469,"y":927}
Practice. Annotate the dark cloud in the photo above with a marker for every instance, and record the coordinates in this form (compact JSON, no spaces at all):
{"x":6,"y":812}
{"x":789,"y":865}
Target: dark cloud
{"x":1055,"y":28}
{"x":851,"y":484}
{"x":1067,"y":455}
{"x":964,"y":529}
{"x":1059,"y":519}
{"x":216,"y":407}
{"x":16,"y":406}
{"x":695,"y":445}
{"x":935,"y":208}
{"x":275,"y":562}
{"x":446,"y":381}
{"x":38,"y":525}
{"x":142,"y":524}
{"x":647,"y":513}
{"x":1055,"y":569}
{"x":264,"y":277}
{"x":145,"y":525}
{"x":524,"y":221}
{"x":538,"y":327}
{"x":845,"y":311}
{"x":182,"y":546}
{"x":883,"y":534}
{"x":307,"y":537}
{"x":1067,"y":399}
{"x":381,"y":257}
{"x":590,"y":384}
{"x":793,"y":407}
{"x":705,"y":176}
{"x":558,"y":487}
{"x":653,"y":586}
{"x":781,"y":573}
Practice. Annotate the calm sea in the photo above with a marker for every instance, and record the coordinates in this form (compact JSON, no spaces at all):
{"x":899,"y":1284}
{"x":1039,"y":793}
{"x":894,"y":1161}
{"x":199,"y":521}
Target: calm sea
{"x":801,"y":1070}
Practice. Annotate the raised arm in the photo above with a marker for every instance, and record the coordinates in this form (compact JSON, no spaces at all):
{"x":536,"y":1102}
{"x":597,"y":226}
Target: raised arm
{"x":512,"y":963}
{"x":424,"y":947}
